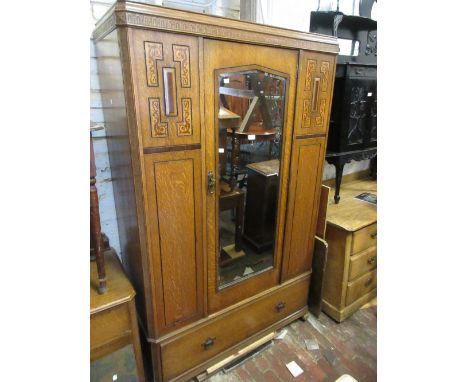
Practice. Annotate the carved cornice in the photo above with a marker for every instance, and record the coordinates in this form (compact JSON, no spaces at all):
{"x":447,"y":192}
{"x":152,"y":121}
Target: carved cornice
{"x":105,"y":25}
{"x":161,"y":18}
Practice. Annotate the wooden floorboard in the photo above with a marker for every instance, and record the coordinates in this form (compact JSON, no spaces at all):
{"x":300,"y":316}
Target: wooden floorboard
{"x":346,"y":348}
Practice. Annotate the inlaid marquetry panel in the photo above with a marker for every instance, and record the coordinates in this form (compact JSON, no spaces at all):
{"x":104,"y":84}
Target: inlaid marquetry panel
{"x":174,"y":224}
{"x":165,"y":68}
{"x":315,"y":90}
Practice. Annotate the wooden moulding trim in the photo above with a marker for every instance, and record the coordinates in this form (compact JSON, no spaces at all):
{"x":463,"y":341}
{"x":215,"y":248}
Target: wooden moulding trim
{"x":308,"y":136}
{"x":113,"y":304}
{"x":220,"y":356}
{"x":173,"y":20}
{"x":207,"y":320}
{"x":341,"y":315}
{"x":163,"y":149}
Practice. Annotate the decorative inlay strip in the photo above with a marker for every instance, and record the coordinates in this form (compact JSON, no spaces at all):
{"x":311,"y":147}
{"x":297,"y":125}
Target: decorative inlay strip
{"x":311,"y":65}
{"x":181,"y":54}
{"x":320,"y":118}
{"x":306,"y":113}
{"x":158,"y":128}
{"x":153,"y":52}
{"x":170,"y":91}
{"x":106,"y":27}
{"x":185,"y":126}
{"x":325,"y":70}
{"x":164,"y":149}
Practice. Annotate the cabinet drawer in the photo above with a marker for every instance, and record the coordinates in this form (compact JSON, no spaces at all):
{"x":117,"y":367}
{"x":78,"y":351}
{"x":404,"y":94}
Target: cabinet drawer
{"x":214,"y":336}
{"x":362,"y":262}
{"x":364,"y":238}
{"x":361,"y":286}
{"x":109,"y":326}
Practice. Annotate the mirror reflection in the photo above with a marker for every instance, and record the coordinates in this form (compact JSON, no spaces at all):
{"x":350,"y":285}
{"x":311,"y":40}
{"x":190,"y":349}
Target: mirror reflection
{"x":250,"y":121}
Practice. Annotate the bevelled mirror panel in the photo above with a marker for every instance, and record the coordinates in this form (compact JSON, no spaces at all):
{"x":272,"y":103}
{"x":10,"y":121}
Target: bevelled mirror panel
{"x":250,"y":122}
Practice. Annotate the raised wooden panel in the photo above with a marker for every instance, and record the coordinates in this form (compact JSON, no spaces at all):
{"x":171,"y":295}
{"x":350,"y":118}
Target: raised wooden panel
{"x":303,"y":201}
{"x":165,"y":70}
{"x":315,"y":89}
{"x":173,"y":186}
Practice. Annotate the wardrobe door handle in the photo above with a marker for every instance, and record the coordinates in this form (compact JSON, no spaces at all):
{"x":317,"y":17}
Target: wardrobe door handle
{"x":211,"y":182}
{"x":208,"y":343}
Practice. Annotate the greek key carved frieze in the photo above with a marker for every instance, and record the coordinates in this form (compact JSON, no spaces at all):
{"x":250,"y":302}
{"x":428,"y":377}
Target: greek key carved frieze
{"x":158,"y":22}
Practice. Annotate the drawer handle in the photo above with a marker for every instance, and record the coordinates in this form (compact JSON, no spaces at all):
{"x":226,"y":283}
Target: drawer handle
{"x":368,"y":282}
{"x":371,"y":260}
{"x":208,"y":343}
{"x":373,"y":235}
{"x":280,"y":306}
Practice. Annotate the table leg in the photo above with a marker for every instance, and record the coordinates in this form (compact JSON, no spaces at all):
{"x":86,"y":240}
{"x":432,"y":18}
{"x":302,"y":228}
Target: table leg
{"x":339,"y":166}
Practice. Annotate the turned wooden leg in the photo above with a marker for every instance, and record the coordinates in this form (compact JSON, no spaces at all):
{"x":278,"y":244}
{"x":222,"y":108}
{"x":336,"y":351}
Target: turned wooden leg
{"x":239,"y":221}
{"x":373,"y":168}
{"x":339,"y":166}
{"x":96,"y":237}
{"x":235,"y":160}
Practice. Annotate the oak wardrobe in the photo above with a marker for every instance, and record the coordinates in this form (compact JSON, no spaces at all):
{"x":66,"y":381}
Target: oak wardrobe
{"x":216,"y":131}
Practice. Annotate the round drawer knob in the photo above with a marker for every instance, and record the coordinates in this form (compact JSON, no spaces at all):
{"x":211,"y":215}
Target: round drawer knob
{"x":368,"y":282}
{"x":371,"y":260}
{"x":280,"y":306}
{"x":208,"y":343}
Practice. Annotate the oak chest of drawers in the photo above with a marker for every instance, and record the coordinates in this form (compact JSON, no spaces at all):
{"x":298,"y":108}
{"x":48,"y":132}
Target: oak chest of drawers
{"x":351,"y":271}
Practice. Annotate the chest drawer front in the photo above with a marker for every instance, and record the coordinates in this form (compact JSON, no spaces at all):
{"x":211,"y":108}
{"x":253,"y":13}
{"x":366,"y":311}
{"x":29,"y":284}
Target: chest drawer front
{"x":109,"y":325}
{"x":361,"y":286}
{"x":202,"y":343}
{"x":364,"y":238}
{"x":362,"y":263}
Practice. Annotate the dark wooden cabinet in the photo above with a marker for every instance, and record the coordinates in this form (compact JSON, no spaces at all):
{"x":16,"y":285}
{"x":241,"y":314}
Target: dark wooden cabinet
{"x":183,"y":177}
{"x":353,"y":121}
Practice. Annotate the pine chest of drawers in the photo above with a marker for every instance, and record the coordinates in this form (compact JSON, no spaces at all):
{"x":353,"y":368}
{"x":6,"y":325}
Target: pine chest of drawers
{"x":351,"y":271}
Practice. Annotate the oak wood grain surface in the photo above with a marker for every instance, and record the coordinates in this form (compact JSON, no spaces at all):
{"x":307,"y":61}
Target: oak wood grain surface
{"x":113,"y":321}
{"x":350,"y":275}
{"x":162,"y":126}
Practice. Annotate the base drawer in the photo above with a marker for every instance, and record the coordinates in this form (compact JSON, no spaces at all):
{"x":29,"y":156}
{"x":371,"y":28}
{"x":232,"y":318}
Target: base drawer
{"x":361,"y":286}
{"x":109,"y":326}
{"x":201,"y":343}
{"x":362,"y":263}
{"x":364,"y":238}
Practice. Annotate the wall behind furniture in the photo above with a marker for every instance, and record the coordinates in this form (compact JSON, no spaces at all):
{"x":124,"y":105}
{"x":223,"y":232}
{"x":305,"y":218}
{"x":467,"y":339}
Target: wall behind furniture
{"x":292,"y":14}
